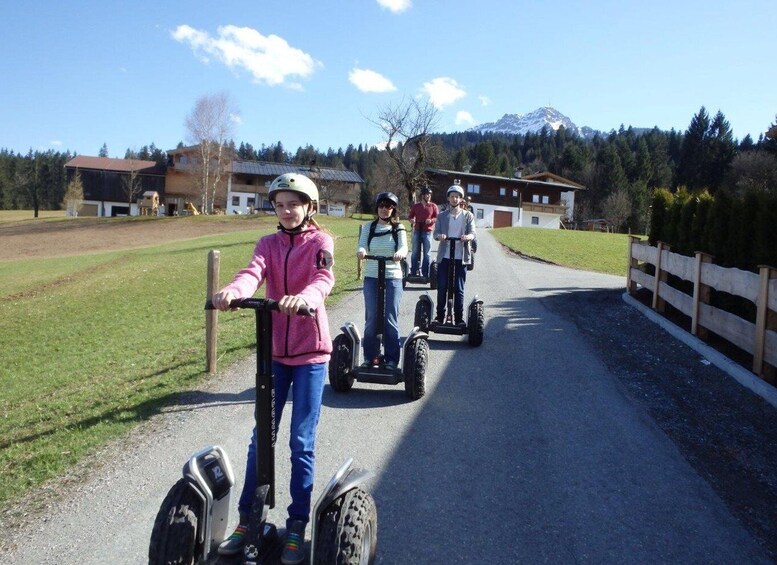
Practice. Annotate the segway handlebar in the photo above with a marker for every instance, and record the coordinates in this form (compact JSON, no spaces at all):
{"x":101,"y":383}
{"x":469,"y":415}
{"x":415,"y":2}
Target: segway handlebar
{"x":260,"y":304}
{"x":379,"y":257}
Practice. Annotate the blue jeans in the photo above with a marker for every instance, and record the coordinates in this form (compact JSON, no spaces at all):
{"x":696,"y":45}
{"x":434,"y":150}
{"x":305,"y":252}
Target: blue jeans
{"x":390,"y":329}
{"x":307,"y":387}
{"x":459,"y":278}
{"x":422,"y":243}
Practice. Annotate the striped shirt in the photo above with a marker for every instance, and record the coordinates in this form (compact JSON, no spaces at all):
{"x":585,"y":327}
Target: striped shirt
{"x":383,"y":244}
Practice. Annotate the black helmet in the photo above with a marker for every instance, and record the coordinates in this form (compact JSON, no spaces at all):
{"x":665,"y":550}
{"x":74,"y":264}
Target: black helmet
{"x":426,"y":190}
{"x":390,"y":196}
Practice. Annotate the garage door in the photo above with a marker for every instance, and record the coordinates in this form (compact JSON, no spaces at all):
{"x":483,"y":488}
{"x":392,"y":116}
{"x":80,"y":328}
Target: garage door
{"x":503,"y":219}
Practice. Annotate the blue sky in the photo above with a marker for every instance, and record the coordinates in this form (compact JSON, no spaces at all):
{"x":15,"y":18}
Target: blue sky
{"x":75,"y":75}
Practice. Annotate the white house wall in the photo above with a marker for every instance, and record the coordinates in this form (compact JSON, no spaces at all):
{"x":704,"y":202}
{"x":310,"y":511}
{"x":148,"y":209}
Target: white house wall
{"x":488,"y":214}
{"x":548,"y":221}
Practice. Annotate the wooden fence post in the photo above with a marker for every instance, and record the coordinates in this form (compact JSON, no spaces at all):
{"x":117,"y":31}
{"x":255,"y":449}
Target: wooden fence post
{"x":762,"y":320}
{"x":212,"y":316}
{"x":701,"y":293}
{"x":632,"y":263}
{"x":658,"y":304}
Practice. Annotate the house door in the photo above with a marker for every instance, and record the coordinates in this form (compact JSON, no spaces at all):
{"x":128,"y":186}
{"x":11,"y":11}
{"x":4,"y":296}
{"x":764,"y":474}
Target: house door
{"x":503,"y":219}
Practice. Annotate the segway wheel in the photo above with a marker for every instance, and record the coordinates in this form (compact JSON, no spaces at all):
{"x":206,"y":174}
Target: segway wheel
{"x":423,"y":315}
{"x":475,"y":325}
{"x":433,"y":275}
{"x":340,"y":376}
{"x":416,"y":356}
{"x":348,"y":533}
{"x":174,"y":537}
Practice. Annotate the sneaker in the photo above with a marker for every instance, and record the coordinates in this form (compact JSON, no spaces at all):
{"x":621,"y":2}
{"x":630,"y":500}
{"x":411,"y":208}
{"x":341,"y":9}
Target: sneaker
{"x":294,"y":550}
{"x":391,"y":365}
{"x":440,"y":318}
{"x":234,"y":543}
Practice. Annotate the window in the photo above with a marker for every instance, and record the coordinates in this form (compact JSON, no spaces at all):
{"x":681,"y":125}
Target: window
{"x":502,"y":191}
{"x":515,"y":193}
{"x":235,"y":201}
{"x":479,"y":213}
{"x":473,"y":188}
{"x":546,"y":199}
{"x":535,"y":220}
{"x":535,"y":198}
{"x":251,"y":201}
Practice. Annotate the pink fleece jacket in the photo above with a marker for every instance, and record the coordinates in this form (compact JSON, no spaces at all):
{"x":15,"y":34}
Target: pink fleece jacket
{"x":299,"y":264}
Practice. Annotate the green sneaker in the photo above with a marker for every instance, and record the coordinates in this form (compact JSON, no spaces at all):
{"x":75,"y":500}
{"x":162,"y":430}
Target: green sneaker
{"x":294,"y":550}
{"x":234,"y":543}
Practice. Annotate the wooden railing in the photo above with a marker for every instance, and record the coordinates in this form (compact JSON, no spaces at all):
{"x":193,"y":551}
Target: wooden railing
{"x":559,"y":209}
{"x":758,"y":339}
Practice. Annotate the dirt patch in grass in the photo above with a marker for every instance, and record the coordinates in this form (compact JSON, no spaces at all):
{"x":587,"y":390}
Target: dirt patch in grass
{"x":75,"y":236}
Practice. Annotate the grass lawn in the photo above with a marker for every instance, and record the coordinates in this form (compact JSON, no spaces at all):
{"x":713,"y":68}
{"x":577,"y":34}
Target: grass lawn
{"x":95,"y":343}
{"x":16,"y":215}
{"x":590,"y":251}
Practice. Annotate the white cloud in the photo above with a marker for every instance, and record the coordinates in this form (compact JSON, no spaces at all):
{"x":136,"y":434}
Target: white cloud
{"x":443,"y":91}
{"x":270,"y":59}
{"x":235,"y":119}
{"x":395,"y":6}
{"x":370,"y":81}
{"x":56,"y":143}
{"x":464,"y":118}
{"x":484,"y":100}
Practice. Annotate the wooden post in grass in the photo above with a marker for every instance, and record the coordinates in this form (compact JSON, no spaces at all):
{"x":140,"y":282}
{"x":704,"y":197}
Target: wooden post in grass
{"x":212,"y":316}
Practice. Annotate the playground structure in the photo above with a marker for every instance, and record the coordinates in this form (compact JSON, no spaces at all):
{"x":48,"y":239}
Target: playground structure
{"x":149,"y":203}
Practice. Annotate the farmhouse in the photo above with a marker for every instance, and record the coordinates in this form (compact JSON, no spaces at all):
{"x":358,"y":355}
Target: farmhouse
{"x":112,"y":187}
{"x":174,"y":189}
{"x":542,"y":200}
{"x":249,"y":181}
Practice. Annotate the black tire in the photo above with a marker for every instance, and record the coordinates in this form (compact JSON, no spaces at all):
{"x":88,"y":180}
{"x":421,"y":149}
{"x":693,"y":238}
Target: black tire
{"x":348,"y":532}
{"x":423,"y":315}
{"x":416,"y":356}
{"x":475,"y":325}
{"x":340,"y":375}
{"x":174,"y":537}
{"x":433,"y":275}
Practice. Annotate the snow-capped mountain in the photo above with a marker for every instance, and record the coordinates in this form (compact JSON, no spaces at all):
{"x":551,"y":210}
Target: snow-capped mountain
{"x":521,"y":124}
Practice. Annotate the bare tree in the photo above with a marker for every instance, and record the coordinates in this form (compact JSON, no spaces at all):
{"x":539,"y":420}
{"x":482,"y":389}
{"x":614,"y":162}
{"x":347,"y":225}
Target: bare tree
{"x":210,"y":127}
{"x":74,"y":194}
{"x":617,"y":208}
{"x":407,"y":127}
{"x":131,"y":183}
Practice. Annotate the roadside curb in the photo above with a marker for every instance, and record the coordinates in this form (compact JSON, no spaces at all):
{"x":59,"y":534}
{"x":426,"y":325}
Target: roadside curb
{"x":739,"y":373}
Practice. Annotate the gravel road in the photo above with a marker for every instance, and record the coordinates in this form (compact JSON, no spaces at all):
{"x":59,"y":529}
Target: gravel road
{"x":579,"y":432}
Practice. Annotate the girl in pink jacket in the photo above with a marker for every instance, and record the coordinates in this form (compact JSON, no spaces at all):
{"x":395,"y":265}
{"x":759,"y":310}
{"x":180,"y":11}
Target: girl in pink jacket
{"x":296,"y":265}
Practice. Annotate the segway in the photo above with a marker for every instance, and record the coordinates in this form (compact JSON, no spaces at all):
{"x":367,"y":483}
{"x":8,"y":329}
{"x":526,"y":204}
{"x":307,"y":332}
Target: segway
{"x":345,"y":364}
{"x":431,"y":280}
{"x":475,"y":318}
{"x":193,"y":517}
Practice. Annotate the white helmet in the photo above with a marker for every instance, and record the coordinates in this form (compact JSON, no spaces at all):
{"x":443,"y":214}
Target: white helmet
{"x":294,"y":182}
{"x":455,"y":188}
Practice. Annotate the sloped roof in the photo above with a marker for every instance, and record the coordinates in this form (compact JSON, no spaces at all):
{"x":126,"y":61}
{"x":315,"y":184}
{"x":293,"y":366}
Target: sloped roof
{"x":533,"y":179}
{"x":116,"y":165}
{"x":547,"y":176}
{"x":264,"y":168}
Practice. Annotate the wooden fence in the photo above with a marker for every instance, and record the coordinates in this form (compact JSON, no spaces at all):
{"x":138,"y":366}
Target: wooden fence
{"x":759,"y":338}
